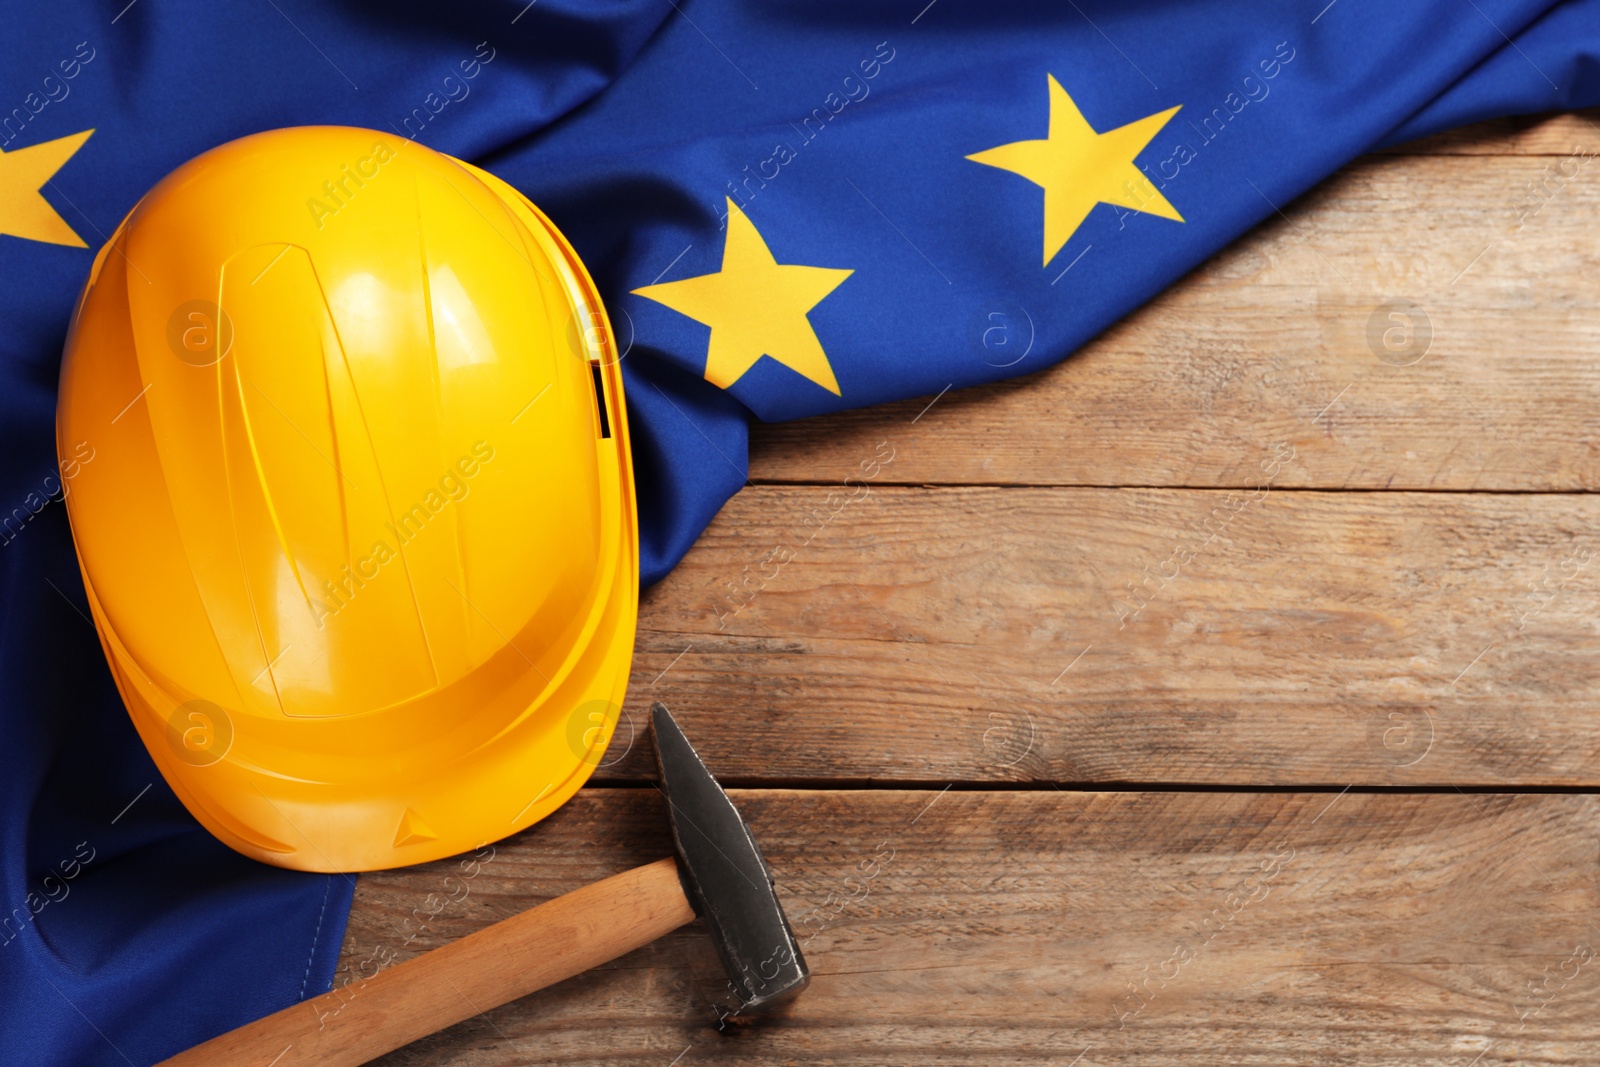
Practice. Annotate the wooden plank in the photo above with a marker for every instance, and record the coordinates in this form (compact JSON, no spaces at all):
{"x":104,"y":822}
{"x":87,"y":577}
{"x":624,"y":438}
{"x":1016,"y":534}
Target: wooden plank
{"x":1282,"y":338}
{"x":883,"y":631}
{"x":1065,"y":928}
{"x":990,"y":634}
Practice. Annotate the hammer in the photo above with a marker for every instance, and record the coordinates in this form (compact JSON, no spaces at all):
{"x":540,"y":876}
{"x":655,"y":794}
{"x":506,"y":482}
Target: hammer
{"x":718,"y":875}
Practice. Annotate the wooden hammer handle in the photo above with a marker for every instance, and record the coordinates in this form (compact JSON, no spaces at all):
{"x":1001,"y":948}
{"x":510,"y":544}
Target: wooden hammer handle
{"x":510,"y":959}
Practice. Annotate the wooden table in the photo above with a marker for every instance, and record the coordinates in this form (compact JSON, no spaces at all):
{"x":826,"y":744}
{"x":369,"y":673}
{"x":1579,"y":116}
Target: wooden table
{"x":1227,"y":693}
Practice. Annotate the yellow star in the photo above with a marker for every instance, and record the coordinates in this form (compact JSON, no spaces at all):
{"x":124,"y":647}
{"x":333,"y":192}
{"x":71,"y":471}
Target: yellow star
{"x":23,"y":211}
{"x":755,"y":307}
{"x":1079,"y":168}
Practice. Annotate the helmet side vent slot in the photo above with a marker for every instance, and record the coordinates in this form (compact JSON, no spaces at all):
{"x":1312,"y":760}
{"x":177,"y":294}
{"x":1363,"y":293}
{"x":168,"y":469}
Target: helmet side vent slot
{"x":600,"y":397}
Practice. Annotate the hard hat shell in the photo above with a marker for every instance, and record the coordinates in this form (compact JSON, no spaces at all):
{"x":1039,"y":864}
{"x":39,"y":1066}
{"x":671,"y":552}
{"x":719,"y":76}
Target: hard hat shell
{"x":356,"y":521}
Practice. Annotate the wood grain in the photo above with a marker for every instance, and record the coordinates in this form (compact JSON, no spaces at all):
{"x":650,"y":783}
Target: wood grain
{"x":1411,"y":604}
{"x":1269,"y":341}
{"x":1036,"y":927}
{"x":968,"y":634}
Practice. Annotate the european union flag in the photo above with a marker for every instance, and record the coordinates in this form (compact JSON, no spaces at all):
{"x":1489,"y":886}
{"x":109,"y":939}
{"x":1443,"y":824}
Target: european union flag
{"x":790,"y":209}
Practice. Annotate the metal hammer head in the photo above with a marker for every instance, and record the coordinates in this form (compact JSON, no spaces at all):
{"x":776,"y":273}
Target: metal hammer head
{"x":725,"y":876}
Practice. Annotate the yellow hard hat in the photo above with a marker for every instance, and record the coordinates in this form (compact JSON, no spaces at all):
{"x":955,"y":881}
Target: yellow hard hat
{"x":346,"y":459}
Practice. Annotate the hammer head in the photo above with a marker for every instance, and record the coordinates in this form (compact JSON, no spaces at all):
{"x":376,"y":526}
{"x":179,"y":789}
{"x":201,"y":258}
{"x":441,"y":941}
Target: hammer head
{"x":725,"y":876}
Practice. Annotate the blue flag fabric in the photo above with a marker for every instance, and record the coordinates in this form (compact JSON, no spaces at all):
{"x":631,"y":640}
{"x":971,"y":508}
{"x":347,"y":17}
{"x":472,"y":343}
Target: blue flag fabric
{"x":790,"y":208}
